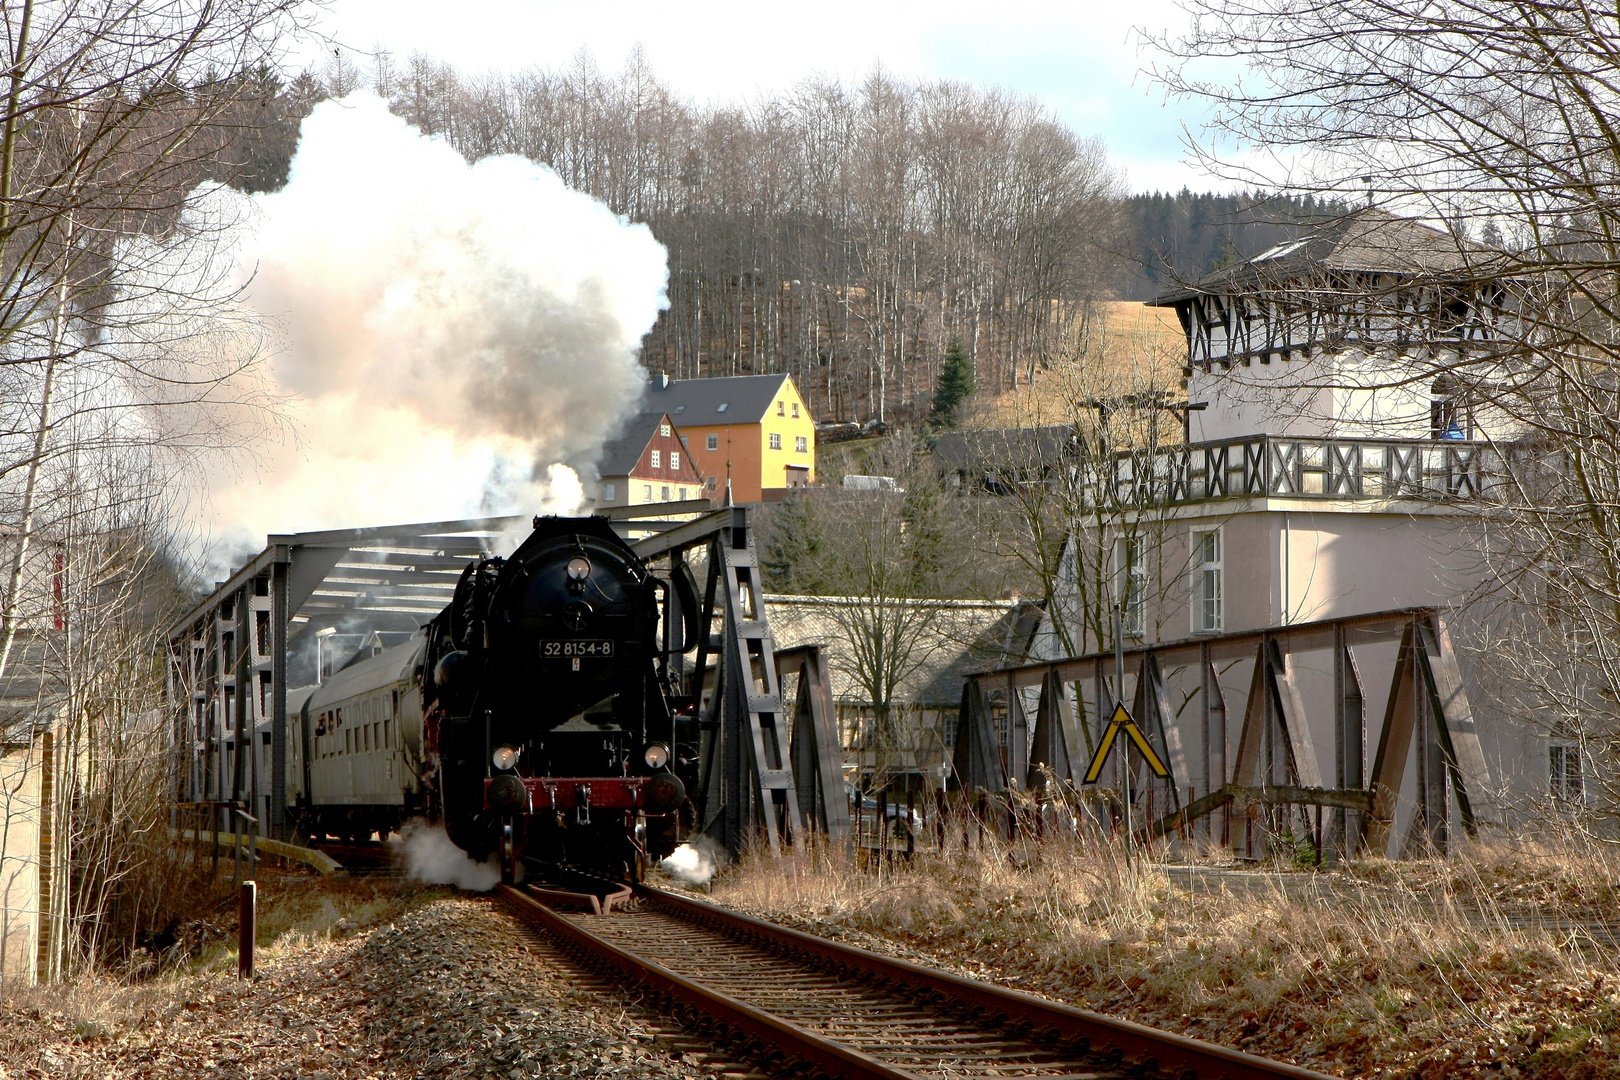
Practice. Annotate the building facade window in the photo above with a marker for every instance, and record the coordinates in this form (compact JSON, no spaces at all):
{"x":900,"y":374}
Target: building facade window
{"x":1208,"y":592}
{"x":674,"y":459}
{"x":714,"y":442}
{"x":1564,"y":777}
{"x":646,"y":492}
{"x":711,"y":483}
{"x":780,"y":411}
{"x":1131,"y":587}
{"x":656,"y":458}
{"x":682,"y":493}
{"x":663,"y":429}
{"x":776,"y":441}
{"x":795,"y":410}
{"x":664,"y":493}
{"x":609,"y":492}
{"x":802,"y":444}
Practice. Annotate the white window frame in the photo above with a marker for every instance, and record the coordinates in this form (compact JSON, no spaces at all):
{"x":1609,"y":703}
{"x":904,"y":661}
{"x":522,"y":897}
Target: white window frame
{"x":1208,"y":586}
{"x":714,"y":442}
{"x":663,"y":429}
{"x":675,"y":460}
{"x":1561,"y":754}
{"x":656,"y":458}
{"x":1130,"y":586}
{"x":608,"y":492}
{"x":776,"y":440}
{"x":646,"y":492}
{"x":801,"y":444}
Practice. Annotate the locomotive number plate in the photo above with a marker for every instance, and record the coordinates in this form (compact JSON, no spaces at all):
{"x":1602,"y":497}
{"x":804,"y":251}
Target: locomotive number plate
{"x":598,"y":647}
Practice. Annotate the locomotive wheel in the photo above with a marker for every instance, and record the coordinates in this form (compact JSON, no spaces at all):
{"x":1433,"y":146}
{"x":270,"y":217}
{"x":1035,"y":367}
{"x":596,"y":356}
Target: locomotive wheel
{"x":508,"y":854}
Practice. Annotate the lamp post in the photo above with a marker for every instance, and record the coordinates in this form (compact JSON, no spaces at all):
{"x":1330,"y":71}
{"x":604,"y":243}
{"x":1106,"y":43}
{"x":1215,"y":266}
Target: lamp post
{"x":320,"y":667}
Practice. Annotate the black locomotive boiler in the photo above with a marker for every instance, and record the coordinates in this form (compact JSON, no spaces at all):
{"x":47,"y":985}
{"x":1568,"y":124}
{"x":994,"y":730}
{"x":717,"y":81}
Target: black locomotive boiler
{"x":544,"y":727}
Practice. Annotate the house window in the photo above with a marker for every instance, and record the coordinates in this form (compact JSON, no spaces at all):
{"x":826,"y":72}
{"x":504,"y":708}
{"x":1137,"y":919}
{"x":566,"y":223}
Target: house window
{"x":776,"y":441}
{"x":674,"y":459}
{"x":795,"y":410}
{"x":1564,"y":771}
{"x":1208,"y":587}
{"x":780,"y":409}
{"x":609,"y":492}
{"x":714,"y":442}
{"x":657,"y":457}
{"x":1131,"y":586}
{"x":711,"y":483}
{"x":646,"y":492}
{"x":664,"y":493}
{"x":683,"y":494}
{"x":802,"y":444}
{"x":663,"y":429}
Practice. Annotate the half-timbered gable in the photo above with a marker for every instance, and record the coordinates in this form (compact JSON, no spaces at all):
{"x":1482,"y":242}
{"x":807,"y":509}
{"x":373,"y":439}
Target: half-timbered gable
{"x":1342,"y":332}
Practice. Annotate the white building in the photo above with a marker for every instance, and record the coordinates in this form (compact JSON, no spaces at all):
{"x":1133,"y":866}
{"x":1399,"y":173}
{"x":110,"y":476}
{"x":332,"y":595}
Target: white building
{"x":1330,"y":474}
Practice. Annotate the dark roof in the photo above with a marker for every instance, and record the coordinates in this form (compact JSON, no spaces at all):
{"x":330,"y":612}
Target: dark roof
{"x":29,"y":700}
{"x":1004,"y":446}
{"x":960,"y":637}
{"x":737,"y":399}
{"x":620,"y":455}
{"x":1365,"y":241}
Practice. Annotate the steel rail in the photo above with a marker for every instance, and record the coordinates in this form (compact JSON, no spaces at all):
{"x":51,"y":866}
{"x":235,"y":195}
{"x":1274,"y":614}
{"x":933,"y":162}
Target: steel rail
{"x":1141,"y":1046}
{"x":794,"y":1042}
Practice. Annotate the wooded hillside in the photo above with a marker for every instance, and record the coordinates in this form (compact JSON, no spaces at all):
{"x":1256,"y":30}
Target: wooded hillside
{"x":841,"y":233}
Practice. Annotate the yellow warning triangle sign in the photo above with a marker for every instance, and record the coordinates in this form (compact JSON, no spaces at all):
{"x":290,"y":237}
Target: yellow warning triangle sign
{"x":1121,"y":721}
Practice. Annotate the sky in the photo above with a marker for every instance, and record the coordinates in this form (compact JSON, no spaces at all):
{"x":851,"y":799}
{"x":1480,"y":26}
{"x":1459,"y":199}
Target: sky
{"x":1084,"y":60}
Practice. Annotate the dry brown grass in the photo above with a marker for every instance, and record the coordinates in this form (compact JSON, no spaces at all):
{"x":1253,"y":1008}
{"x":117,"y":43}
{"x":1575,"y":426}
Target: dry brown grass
{"x":1425,"y":968}
{"x":295,"y":913}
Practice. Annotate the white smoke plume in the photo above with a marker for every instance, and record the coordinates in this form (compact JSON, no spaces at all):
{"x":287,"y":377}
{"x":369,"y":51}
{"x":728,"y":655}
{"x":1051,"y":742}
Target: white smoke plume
{"x":455,"y":339}
{"x":694,"y":862}
{"x":431,"y":856}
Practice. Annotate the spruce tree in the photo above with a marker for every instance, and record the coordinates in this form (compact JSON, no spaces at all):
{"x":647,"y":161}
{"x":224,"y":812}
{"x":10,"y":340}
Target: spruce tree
{"x":955,"y":386}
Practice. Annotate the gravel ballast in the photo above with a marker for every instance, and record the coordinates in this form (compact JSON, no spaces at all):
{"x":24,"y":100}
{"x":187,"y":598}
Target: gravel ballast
{"x":454,"y":987}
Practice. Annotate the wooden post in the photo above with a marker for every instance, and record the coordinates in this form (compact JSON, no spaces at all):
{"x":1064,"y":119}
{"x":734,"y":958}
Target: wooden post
{"x":247,"y":928}
{"x":911,"y":835}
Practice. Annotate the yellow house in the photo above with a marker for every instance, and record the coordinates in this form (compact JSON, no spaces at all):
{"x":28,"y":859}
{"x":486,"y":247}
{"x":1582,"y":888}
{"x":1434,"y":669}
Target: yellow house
{"x":752,"y":431}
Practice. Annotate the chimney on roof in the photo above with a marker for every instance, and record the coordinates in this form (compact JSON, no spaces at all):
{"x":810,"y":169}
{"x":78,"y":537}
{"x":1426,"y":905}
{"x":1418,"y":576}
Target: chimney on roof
{"x":660,"y":381}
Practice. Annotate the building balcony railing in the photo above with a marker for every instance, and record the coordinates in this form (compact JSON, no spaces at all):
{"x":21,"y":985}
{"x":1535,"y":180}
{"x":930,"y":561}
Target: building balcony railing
{"x":1301,"y":468}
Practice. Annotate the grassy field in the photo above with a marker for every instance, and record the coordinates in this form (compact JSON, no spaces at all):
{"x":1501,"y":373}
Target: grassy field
{"x":1495,"y":960}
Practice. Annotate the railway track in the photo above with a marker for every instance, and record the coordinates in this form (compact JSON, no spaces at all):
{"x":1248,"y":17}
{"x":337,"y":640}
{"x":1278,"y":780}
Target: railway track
{"x":794,"y":1003}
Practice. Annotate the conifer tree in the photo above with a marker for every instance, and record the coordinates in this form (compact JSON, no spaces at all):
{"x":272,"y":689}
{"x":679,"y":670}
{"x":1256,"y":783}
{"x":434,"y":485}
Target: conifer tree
{"x":955,"y":386}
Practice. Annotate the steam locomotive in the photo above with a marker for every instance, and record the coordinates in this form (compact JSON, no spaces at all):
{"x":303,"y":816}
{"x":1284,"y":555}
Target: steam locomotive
{"x":534,"y":716}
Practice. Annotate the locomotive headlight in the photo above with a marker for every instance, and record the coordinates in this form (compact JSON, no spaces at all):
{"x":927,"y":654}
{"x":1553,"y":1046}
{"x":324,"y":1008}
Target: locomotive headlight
{"x":656,"y":756}
{"x":579,"y":568}
{"x":505,"y":757}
